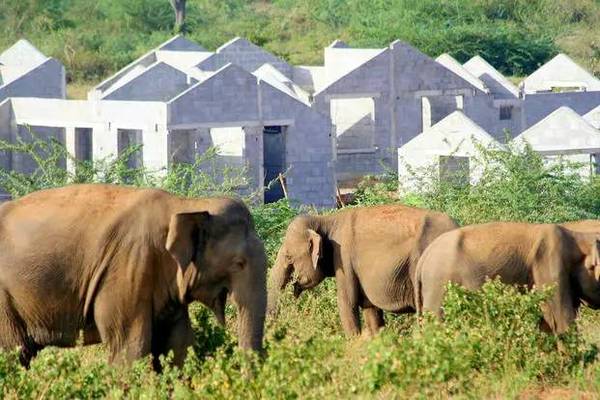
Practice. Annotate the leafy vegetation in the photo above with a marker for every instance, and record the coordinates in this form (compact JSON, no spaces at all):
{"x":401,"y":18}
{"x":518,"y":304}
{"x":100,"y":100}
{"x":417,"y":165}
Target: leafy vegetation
{"x":94,"y":38}
{"x":489,"y":346}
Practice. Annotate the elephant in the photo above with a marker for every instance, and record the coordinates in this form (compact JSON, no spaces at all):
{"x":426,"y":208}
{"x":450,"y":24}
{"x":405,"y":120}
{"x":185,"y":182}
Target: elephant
{"x":121,"y":265}
{"x":371,"y":251}
{"x":585,"y":225}
{"x":518,"y":253}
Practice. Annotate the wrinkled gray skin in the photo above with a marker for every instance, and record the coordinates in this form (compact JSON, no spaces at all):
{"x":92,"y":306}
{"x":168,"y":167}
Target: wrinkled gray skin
{"x":371,"y":251}
{"x":122,"y":265}
{"x":539,"y":255}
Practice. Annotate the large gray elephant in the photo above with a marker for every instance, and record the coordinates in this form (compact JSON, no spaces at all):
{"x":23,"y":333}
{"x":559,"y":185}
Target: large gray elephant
{"x":371,"y":251}
{"x":525,"y":254}
{"x":122,"y":264}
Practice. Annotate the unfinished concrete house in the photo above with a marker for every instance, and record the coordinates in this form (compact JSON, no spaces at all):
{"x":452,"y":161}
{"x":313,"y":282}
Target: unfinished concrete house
{"x":379,"y":99}
{"x":177,"y":111}
{"x":559,"y":82}
{"x":565,"y":135}
{"x":26,"y":72}
{"x":446,"y":150}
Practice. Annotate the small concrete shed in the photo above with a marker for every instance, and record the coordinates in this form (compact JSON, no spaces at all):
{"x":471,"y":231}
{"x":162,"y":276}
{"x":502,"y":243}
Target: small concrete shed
{"x":565,"y":135}
{"x":448,"y":147}
{"x":563,"y":132}
{"x":558,"y":75}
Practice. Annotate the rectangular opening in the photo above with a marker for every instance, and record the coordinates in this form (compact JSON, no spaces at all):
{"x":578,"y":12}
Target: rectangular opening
{"x":354,"y":122}
{"x":505,"y":112}
{"x":26,"y":164}
{"x":454,"y":170}
{"x":83,"y":144}
{"x":127,"y":139}
{"x":184,"y":145}
{"x":436,"y":108}
{"x":274,"y":162}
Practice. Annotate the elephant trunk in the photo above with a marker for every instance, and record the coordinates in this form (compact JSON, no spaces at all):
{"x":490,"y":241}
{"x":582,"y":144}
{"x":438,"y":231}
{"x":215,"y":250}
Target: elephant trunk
{"x":281,"y":274}
{"x":250,"y":295}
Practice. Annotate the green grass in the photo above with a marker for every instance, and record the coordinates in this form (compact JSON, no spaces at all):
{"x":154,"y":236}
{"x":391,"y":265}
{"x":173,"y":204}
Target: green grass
{"x":489,"y":346}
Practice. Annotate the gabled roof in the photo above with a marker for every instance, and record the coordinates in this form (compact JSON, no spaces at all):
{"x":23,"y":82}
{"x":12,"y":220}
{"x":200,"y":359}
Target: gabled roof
{"x":456,"y":134}
{"x":18,"y":59}
{"x":559,"y":72}
{"x":275,"y":78}
{"x":177,"y":51}
{"x":562,"y":132}
{"x":593,"y":117}
{"x":449,"y":62}
{"x":180,"y":43}
{"x":497,"y":83}
{"x":249,"y":56}
{"x":338,"y":44}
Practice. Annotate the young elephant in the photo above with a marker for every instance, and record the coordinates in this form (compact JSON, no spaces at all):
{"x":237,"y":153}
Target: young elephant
{"x":122,"y":265}
{"x":518,"y":253}
{"x":371,"y":251}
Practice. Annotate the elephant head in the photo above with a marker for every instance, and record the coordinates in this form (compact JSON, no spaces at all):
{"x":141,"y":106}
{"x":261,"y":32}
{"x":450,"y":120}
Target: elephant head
{"x":301,"y":255}
{"x":587,"y":269}
{"x":219,"y":255}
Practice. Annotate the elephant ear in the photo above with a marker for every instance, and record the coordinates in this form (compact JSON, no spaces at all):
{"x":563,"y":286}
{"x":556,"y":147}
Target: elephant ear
{"x":550,"y":270}
{"x":594,"y":266}
{"x":186,"y":232}
{"x":315,"y":247}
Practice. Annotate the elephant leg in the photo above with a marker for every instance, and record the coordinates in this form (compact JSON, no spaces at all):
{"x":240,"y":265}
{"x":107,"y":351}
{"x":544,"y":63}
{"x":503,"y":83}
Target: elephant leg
{"x":347,"y":298}
{"x":13,"y":333}
{"x":177,"y":336}
{"x":128,"y":337}
{"x":373,"y":320}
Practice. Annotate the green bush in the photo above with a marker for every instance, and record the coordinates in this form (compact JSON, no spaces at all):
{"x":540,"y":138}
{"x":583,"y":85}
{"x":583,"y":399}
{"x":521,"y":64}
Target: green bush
{"x":492,"y":333}
{"x":516,"y":185}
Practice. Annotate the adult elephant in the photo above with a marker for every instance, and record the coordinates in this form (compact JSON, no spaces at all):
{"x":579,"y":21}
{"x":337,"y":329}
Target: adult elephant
{"x":371,"y":251}
{"x":525,"y":254}
{"x":122,"y":264}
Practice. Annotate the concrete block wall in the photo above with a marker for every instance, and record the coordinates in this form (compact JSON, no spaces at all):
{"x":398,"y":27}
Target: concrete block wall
{"x":160,"y":82}
{"x":228,"y":96}
{"x":250,"y":57}
{"x":539,"y":105}
{"x":309,"y":152}
{"x":45,"y":81}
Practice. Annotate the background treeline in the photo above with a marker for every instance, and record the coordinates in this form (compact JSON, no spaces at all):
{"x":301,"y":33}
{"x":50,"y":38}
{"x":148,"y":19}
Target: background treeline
{"x":94,"y":38}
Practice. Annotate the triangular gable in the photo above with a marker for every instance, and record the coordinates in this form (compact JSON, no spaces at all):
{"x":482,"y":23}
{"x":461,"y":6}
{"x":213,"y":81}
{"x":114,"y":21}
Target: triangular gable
{"x":497,"y":83}
{"x":176,"y":43}
{"x":368,"y":77}
{"x":562,"y":132}
{"x":249,"y":56}
{"x":180,"y":43}
{"x":415,"y":71}
{"x":456,"y":134}
{"x":23,"y":55}
{"x":593,"y":117}
{"x":230,"y":94}
{"x":159,"y":82}
{"x":560,"y":72}
{"x":449,"y":62}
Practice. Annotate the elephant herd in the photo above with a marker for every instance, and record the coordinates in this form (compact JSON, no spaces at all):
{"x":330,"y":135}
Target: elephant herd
{"x":120,"y":266}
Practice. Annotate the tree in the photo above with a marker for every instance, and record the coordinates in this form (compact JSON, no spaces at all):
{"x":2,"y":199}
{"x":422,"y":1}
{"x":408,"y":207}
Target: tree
{"x":179,"y":8}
